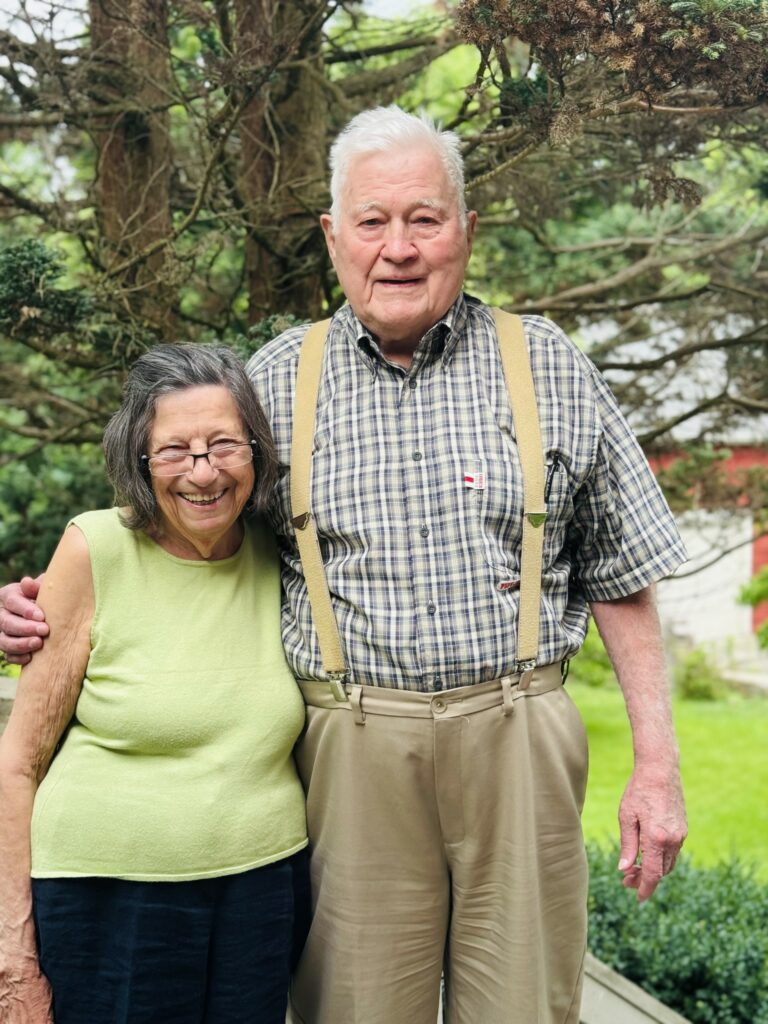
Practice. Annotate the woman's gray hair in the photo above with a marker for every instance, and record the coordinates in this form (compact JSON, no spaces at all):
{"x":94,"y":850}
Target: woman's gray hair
{"x":387,"y":128}
{"x":164,"y":370}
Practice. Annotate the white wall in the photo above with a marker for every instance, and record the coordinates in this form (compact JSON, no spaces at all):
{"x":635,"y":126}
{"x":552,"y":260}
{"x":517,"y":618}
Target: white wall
{"x":702,"y":609}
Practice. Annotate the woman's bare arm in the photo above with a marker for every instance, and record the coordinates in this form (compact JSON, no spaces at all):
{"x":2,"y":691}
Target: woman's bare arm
{"x":47,"y":694}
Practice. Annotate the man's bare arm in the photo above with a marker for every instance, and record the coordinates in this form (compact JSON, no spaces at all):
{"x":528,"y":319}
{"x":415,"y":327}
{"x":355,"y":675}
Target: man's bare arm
{"x":652,"y":812}
{"x":22,"y":622}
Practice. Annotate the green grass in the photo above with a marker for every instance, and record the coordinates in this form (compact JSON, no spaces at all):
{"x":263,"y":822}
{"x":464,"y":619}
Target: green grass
{"x":724,"y":757}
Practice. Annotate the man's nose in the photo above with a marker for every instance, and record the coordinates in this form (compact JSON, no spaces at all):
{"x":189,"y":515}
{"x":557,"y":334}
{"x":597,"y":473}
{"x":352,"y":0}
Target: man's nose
{"x":398,"y":246}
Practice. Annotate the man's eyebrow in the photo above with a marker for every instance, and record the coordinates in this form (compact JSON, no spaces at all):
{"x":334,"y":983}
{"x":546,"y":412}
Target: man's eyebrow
{"x":438,"y":205}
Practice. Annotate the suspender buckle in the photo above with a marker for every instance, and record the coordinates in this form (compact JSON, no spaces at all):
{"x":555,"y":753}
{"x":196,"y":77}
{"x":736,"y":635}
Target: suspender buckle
{"x":300,"y":522}
{"x":536,"y":519}
{"x":336,"y":683}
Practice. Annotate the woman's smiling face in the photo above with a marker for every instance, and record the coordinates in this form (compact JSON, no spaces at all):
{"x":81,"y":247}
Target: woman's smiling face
{"x":199,"y":509}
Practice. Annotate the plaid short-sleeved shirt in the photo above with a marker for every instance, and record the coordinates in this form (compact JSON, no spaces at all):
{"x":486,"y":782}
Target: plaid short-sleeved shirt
{"x":416,"y":492}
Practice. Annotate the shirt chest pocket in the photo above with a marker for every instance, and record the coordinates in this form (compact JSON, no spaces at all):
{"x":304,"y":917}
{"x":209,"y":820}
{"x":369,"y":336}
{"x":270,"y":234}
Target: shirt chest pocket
{"x":494,"y":499}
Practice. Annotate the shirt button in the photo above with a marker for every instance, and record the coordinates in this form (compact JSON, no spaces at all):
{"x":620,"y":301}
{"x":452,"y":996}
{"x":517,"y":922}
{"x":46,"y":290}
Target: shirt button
{"x":424,"y":531}
{"x":413,"y":384}
{"x":417,"y":456}
{"x":438,"y":683}
{"x":431,"y":608}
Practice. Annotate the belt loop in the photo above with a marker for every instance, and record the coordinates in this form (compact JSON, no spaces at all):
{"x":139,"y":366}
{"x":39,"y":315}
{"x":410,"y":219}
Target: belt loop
{"x":508,"y":704}
{"x":356,"y":701}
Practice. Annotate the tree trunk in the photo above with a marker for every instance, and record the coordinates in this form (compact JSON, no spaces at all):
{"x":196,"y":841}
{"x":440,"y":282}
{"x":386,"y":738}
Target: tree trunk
{"x":130,"y":65}
{"x":283,"y":148}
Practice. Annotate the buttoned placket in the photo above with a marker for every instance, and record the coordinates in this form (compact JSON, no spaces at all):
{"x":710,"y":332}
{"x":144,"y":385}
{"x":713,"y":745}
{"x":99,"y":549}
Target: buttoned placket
{"x":418,"y":490}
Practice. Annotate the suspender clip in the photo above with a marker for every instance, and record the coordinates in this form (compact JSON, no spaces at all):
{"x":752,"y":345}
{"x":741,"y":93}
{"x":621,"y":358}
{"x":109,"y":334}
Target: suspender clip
{"x":336,"y":683}
{"x":525,"y":669}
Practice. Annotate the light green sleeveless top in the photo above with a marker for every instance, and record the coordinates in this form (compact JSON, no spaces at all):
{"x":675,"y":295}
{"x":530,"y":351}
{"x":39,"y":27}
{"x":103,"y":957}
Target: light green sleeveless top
{"x":177,"y":764}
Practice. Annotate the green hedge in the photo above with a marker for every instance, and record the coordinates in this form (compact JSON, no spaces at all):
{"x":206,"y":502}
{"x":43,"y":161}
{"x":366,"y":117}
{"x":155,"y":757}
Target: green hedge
{"x":700,"y":944}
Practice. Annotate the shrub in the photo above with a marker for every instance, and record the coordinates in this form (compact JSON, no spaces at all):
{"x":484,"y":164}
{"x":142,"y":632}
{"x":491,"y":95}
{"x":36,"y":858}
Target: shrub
{"x":695,"y":679}
{"x":592,"y":665}
{"x":700,"y":944}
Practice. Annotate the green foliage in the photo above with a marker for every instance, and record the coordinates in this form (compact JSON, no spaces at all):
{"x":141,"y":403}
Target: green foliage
{"x":592,"y":665}
{"x":754,"y":593}
{"x":695,"y":678}
{"x":700,"y":945}
{"x":37,"y":498}
{"x":29,"y":272}
{"x":265,"y":330}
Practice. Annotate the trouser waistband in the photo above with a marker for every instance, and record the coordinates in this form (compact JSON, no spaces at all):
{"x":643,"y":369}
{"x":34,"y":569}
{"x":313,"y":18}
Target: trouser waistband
{"x":464,"y":700}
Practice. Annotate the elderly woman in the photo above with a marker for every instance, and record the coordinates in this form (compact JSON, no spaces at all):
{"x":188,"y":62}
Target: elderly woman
{"x":154,"y":868}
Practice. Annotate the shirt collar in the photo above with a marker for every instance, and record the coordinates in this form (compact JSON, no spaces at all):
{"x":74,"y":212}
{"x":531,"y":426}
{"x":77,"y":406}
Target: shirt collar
{"x":439,"y":342}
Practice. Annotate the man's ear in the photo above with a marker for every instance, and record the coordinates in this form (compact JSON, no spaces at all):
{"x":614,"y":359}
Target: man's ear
{"x":327,"y":225}
{"x":471,"y":225}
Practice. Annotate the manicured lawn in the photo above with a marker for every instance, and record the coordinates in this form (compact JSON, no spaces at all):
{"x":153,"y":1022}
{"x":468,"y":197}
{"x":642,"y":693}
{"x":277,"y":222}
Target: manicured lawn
{"x":724,"y":752}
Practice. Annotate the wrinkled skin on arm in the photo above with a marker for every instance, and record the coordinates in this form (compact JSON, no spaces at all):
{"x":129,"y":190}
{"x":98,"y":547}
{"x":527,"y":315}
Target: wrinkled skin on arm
{"x":46,"y":699}
{"x":652,"y":818}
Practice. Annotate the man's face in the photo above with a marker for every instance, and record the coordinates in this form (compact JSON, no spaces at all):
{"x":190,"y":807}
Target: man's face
{"x":399,"y":249}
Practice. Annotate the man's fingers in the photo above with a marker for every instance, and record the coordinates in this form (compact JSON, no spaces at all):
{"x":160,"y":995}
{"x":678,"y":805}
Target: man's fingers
{"x":630,"y":840}
{"x":651,"y":873}
{"x":30,"y":587}
{"x":14,"y":625}
{"x":19,"y":646}
{"x":18,"y":599}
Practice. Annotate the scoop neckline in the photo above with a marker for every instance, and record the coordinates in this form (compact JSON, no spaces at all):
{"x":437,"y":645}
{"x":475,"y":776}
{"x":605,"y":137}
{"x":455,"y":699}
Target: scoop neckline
{"x":208,"y":562}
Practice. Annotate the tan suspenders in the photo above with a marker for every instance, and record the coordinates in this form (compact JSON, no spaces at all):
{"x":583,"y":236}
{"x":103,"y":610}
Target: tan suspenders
{"x":519,"y":380}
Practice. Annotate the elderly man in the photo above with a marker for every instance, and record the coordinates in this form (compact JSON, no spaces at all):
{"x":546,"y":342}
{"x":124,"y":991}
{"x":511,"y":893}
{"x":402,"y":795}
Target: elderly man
{"x":472,"y":495}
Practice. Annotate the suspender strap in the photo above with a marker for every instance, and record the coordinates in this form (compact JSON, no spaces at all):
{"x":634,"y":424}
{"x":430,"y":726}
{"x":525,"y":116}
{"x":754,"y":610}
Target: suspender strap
{"x":522,"y":397}
{"x":519,"y":381}
{"x":304,"y":410}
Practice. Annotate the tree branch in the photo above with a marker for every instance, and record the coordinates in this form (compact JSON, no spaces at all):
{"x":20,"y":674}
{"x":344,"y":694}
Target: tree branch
{"x":378,"y":50}
{"x":682,"y":352}
{"x":709,"y":403}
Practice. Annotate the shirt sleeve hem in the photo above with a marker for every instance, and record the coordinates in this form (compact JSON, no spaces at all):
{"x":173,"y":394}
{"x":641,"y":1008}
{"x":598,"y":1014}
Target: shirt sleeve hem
{"x":637,"y":579}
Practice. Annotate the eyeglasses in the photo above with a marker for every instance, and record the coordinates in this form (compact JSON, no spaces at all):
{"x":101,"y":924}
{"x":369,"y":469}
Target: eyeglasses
{"x":227,"y":456}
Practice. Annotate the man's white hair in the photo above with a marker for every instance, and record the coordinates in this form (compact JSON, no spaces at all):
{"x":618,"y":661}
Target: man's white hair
{"x":383,"y":129}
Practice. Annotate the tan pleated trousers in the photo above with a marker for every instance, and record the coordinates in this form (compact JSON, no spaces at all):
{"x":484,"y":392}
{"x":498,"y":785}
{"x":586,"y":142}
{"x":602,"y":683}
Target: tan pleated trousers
{"x":445,"y":834}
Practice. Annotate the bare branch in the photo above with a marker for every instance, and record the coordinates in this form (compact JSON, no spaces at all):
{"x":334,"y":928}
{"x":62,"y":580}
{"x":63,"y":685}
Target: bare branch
{"x":643,"y":266}
{"x":369,"y":83}
{"x":378,"y":50}
{"x":719,"y":557}
{"x":663,"y":428}
{"x":682,"y":352}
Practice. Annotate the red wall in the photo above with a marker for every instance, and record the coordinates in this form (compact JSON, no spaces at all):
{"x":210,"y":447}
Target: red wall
{"x":741,"y":458}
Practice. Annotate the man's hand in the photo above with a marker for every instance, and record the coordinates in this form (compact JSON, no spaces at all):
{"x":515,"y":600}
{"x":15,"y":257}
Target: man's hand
{"x":653,"y":827}
{"x":652,"y":811}
{"x":22,"y":623}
